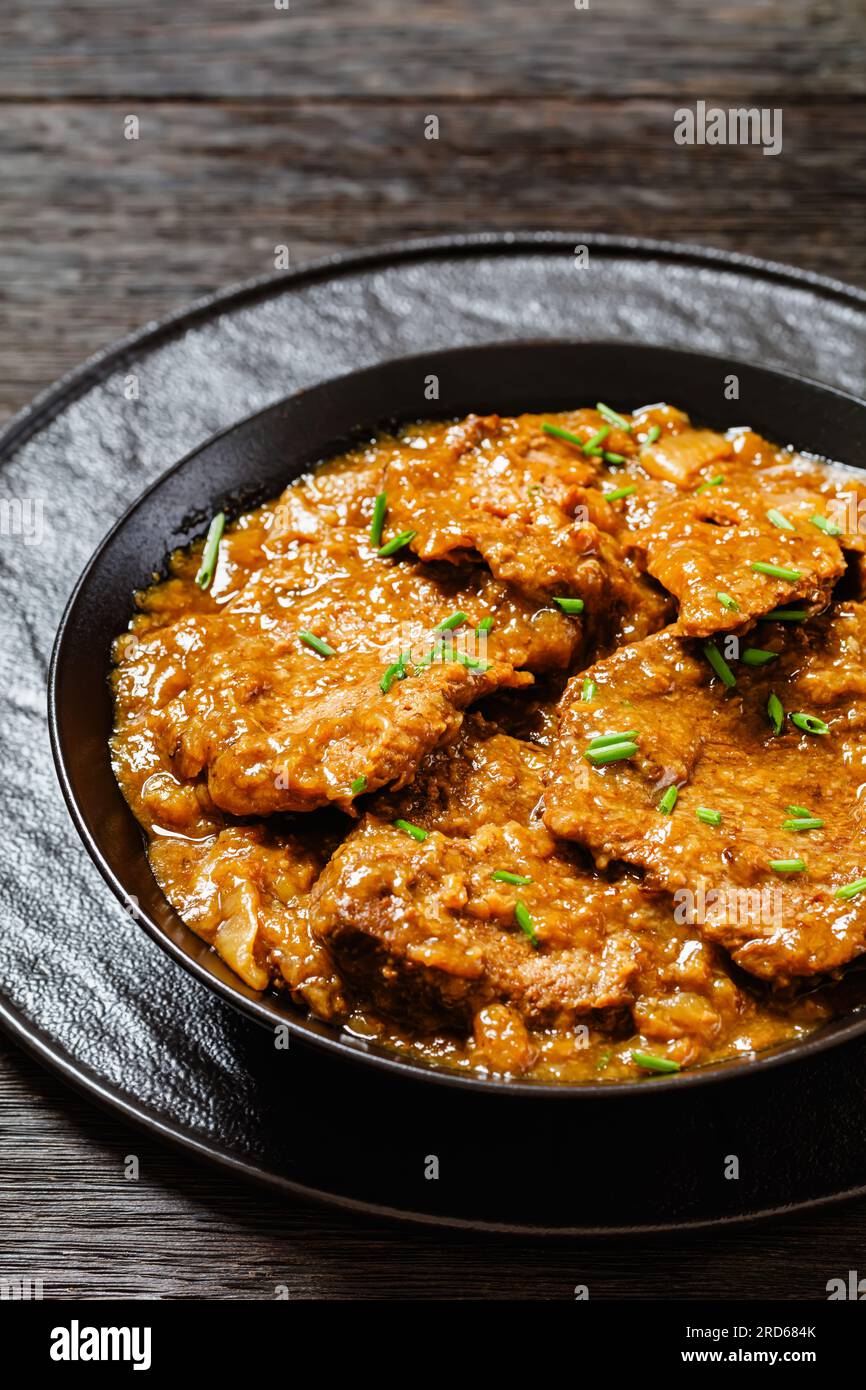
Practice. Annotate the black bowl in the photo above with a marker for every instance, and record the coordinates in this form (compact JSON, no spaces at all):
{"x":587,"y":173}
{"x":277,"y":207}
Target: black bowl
{"x":253,"y":461}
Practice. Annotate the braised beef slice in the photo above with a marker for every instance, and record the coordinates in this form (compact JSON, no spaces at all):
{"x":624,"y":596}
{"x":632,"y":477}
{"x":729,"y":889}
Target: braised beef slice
{"x":719,"y":748}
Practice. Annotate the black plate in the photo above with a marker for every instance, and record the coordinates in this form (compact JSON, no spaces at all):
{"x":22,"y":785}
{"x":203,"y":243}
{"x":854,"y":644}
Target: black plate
{"x":251,"y":462}
{"x":89,"y":993}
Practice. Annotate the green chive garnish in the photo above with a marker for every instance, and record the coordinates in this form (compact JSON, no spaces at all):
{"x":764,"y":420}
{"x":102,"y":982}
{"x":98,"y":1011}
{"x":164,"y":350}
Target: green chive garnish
{"x":727,"y":602}
{"x":211,"y":550}
{"x":613,"y":458}
{"x":828,"y":527}
{"x":756,"y":656}
{"x":652,"y":434}
{"x":606,"y":740}
{"x":414,"y":830}
{"x":711,"y":482}
{"x":470,"y":662}
{"x":779,"y":520}
{"x":310,"y":639}
{"x":612,"y":417}
{"x":396,"y":544}
{"x":485,"y":625}
{"x":589,"y":689}
{"x":810,"y":724}
{"x":776,"y":712}
{"x":454,"y":621}
{"x":611,"y":753}
{"x":560,"y":433}
{"x":505,"y":876}
{"x":719,"y":665}
{"x":619,"y":492}
{"x":798,"y":811}
{"x":775,"y":571}
{"x":803,"y":823}
{"x":786,"y":615}
{"x":651,"y":1063}
{"x":850,"y":890}
{"x":569,"y":605}
{"x":593,"y":443}
{"x":669,"y":800}
{"x":524,"y":921}
{"x":787,"y":866}
{"x":708,"y":817}
{"x":380,"y":506}
{"x":395,"y":672}
{"x":359,"y":785}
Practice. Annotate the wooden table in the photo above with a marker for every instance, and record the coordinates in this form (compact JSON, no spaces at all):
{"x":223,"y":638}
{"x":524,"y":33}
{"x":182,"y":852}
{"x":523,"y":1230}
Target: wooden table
{"x":305,"y":127}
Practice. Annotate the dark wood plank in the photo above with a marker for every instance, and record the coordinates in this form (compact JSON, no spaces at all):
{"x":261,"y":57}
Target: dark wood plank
{"x":102,"y":234}
{"x":181,"y":1231}
{"x":474,"y":49}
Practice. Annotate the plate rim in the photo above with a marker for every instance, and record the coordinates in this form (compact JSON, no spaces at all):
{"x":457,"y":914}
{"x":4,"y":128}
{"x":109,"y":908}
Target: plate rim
{"x":95,"y":368}
{"x":63,"y":391}
{"x":111,"y":1099}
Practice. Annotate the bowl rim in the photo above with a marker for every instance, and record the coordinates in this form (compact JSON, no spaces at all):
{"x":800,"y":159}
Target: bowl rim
{"x":335,"y":1039}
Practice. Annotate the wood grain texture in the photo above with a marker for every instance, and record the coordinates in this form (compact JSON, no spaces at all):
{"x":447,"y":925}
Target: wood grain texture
{"x":101,"y":234}
{"x":69,"y":1217}
{"x":476,"y":49}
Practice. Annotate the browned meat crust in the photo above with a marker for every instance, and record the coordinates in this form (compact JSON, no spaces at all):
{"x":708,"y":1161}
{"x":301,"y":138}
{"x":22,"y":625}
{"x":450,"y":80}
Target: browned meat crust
{"x":426,"y":933}
{"x":721,"y":751}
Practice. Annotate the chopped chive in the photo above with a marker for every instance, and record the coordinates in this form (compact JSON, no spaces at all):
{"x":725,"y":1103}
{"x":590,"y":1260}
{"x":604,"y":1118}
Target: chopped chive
{"x":775,"y":571}
{"x":505,"y":876}
{"x":397,"y":543}
{"x":619,"y":492}
{"x":380,"y":506}
{"x":786,"y":615}
{"x":414,"y":830}
{"x":798,"y":811}
{"x":651,"y":1063}
{"x":708,"y":817}
{"x":828,"y":527}
{"x":454,"y":621}
{"x":756,"y":656}
{"x":589,"y":689}
{"x":485,"y":625}
{"x":778,"y":519}
{"x":395,"y":672}
{"x":727,"y":602}
{"x":211,"y":550}
{"x":652,"y":434}
{"x":569,"y":605}
{"x":719,"y":665}
{"x":711,"y":482}
{"x":471,"y":663}
{"x":606,"y":740}
{"x":524,"y":921}
{"x":318,"y":644}
{"x":669,"y":800}
{"x":359,"y":785}
{"x":613,"y":418}
{"x":776,"y":712}
{"x":810,"y":724}
{"x":787,"y":866}
{"x":803,"y":823}
{"x":560,"y":433}
{"x":613,"y":458}
{"x":593,"y":443}
{"x":603,"y":1061}
{"x":612,"y":753}
{"x":850,"y":890}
